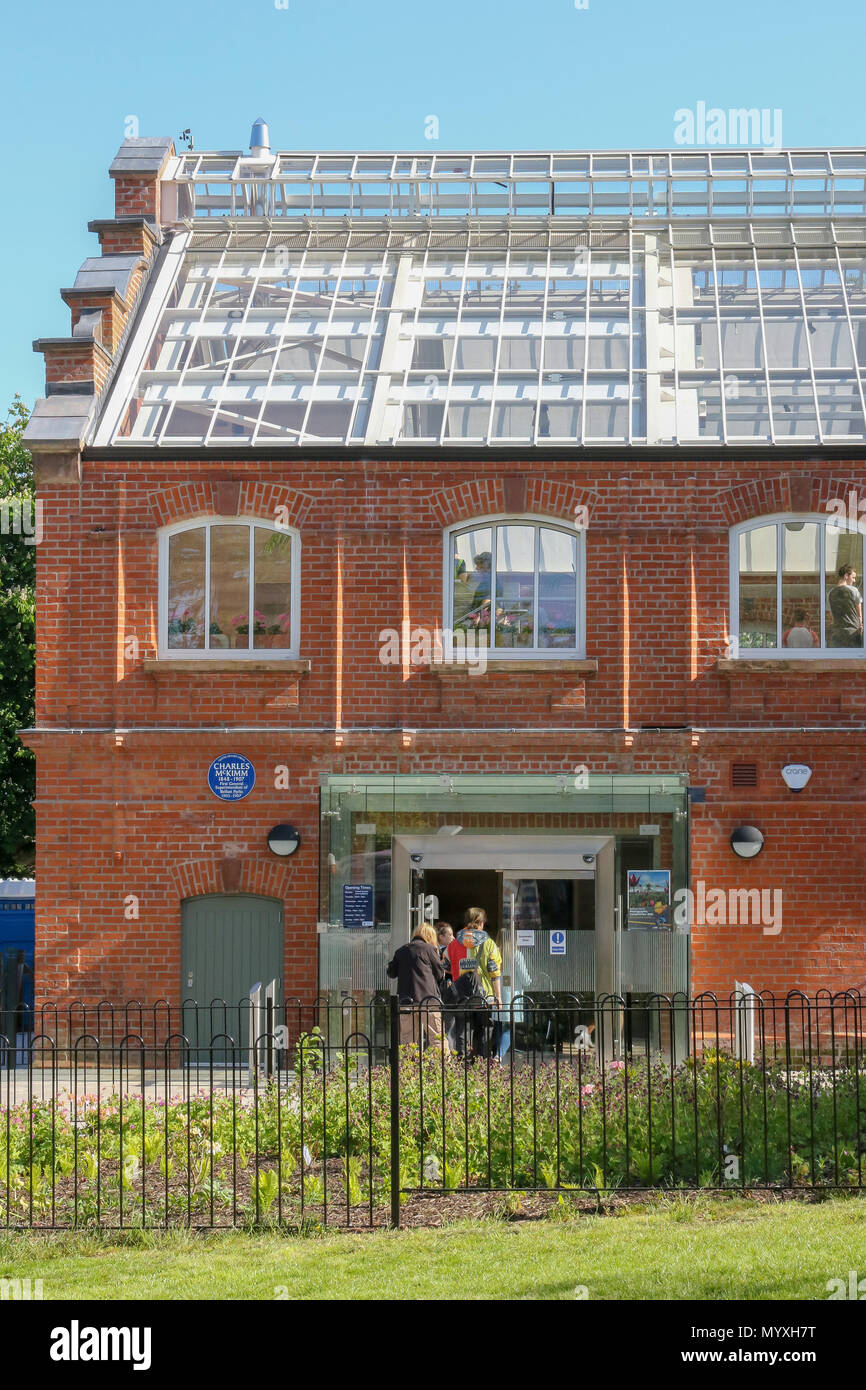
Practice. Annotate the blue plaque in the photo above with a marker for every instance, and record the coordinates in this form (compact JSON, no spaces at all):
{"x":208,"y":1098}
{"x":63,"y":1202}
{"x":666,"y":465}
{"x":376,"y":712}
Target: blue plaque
{"x":231,"y":777}
{"x":357,"y":905}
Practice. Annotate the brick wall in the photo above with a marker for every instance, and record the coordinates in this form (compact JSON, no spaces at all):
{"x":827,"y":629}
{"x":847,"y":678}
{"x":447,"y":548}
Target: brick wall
{"x":136,"y":817}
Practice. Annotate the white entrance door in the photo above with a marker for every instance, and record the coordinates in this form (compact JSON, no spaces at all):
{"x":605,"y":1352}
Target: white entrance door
{"x":530,"y":866}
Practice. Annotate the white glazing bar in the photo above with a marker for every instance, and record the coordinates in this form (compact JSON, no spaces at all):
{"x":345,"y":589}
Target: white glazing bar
{"x":721,"y":367}
{"x":132,"y":364}
{"x":808,"y":341}
{"x":251,"y":641}
{"x":207,"y":535}
{"x":458,"y":321}
{"x":853,"y":336}
{"x":674,"y":335}
{"x":539,"y":380}
{"x":498,"y":357}
{"x":224,"y":194}
{"x":278,"y":344}
{"x":252,"y":285}
{"x":631,"y":283}
{"x":324,"y":339}
{"x":780,"y":561}
{"x":202,"y":319}
{"x":413,"y":314}
{"x":822,"y":554}
{"x":585,"y":378}
{"x":764,"y":353}
{"x":364,"y":386}
{"x":536,"y":580}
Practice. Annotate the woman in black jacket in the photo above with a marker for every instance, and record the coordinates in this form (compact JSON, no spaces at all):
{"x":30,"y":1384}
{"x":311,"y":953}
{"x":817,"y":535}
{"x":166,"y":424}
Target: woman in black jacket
{"x":419,"y":972}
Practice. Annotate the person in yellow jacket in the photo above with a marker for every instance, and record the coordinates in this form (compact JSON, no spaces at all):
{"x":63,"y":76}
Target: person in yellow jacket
{"x":482,"y":954}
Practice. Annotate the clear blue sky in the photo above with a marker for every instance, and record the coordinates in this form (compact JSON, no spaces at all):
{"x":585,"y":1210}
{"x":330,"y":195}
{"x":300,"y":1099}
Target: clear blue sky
{"x":342,"y":74}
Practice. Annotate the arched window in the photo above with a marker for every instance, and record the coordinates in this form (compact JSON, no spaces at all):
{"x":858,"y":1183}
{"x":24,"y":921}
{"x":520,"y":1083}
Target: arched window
{"x":228,"y":588}
{"x":516,"y":585}
{"x":796,"y":587}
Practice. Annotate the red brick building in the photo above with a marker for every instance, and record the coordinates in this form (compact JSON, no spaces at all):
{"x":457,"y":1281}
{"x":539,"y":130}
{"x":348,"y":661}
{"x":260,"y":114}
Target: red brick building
{"x":314,"y":412}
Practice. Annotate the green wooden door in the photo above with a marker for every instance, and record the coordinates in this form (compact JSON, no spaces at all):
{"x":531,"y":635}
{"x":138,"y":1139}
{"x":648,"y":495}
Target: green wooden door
{"x":230,"y":942}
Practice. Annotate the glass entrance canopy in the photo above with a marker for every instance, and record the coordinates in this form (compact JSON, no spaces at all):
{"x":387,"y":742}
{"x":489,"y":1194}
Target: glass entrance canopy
{"x":362,"y":813}
{"x":598,"y":300}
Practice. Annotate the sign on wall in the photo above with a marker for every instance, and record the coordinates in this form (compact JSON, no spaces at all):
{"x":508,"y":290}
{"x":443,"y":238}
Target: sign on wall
{"x":557,"y":943}
{"x":649,"y":899}
{"x":231,"y":777}
{"x":357,"y":905}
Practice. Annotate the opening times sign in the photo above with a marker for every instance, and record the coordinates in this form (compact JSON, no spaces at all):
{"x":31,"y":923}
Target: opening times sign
{"x":358,"y":905}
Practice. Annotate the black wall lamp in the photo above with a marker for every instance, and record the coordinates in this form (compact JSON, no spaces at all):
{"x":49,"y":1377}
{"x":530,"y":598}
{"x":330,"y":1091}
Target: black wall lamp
{"x":747,"y":841}
{"x":283,"y":840}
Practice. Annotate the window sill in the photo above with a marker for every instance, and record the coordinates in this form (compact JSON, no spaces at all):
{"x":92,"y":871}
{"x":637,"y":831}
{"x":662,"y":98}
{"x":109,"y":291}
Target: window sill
{"x":804,"y":666}
{"x":555,"y":667}
{"x":166,"y":666}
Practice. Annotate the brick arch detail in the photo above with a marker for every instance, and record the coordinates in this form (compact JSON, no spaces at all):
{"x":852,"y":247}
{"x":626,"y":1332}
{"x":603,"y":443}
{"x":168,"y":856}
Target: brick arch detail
{"x":487,"y":497}
{"x":267,"y":878}
{"x":762,"y":497}
{"x":185,"y":501}
{"x":786,"y":493}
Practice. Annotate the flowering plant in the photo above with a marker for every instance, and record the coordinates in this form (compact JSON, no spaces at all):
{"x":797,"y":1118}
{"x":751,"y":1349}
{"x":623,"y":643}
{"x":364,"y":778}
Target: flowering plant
{"x":241,"y":623}
{"x":279,"y":626}
{"x":180,"y":621}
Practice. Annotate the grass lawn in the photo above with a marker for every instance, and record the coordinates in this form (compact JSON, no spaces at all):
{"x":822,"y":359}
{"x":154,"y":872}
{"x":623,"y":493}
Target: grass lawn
{"x":674,"y":1248}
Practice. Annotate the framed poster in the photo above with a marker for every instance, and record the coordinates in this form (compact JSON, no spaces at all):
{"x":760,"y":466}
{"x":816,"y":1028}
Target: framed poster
{"x":649,"y":899}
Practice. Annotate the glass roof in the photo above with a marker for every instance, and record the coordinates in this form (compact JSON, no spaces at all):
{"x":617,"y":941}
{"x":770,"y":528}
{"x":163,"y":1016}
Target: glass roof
{"x":638,"y":342}
{"x":708,"y":183}
{"x":501,"y":300}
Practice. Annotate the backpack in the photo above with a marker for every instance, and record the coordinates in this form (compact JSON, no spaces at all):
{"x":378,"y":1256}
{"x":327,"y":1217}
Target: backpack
{"x":467,"y":991}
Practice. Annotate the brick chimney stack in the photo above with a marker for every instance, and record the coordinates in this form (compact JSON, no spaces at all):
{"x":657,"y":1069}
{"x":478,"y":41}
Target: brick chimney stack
{"x":100,"y":301}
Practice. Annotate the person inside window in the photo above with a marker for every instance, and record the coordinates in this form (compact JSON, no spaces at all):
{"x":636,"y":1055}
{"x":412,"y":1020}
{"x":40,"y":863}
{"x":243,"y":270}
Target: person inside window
{"x":464,"y":592}
{"x":800,"y":634}
{"x":846,"y":605}
{"x":477,"y":613}
{"x":483,"y":563}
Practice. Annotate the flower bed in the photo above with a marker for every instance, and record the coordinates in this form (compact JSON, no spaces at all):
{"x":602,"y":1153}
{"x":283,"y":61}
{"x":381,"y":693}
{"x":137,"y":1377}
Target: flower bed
{"x":320,"y":1146}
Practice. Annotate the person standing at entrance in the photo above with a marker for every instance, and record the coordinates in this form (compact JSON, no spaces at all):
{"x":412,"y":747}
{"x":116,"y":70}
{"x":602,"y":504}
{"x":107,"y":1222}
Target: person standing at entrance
{"x":516,"y":980}
{"x":479,"y":952}
{"x":846,"y":605}
{"x":478,"y":956}
{"x":419,"y":974}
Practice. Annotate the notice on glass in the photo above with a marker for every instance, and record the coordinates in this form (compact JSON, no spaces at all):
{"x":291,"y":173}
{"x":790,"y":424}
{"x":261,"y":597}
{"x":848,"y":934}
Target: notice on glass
{"x":649,"y":899}
{"x":525,"y":938}
{"x":357,"y":905}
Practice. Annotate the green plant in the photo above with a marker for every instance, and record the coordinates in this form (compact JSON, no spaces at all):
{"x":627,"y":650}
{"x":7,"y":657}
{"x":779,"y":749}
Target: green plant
{"x":352,"y":1181}
{"x":266,"y":1187}
{"x":309,"y":1051}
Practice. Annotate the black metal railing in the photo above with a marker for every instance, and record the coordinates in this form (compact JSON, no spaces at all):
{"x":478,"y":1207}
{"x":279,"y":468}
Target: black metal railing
{"x":344,"y":1113}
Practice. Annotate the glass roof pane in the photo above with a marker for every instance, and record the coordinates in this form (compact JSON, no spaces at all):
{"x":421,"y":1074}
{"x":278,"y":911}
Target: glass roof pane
{"x":536,"y":299}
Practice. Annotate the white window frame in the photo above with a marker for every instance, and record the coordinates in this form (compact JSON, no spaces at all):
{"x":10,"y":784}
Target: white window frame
{"x":208,"y":521}
{"x":780,"y":653}
{"x":578,"y":651}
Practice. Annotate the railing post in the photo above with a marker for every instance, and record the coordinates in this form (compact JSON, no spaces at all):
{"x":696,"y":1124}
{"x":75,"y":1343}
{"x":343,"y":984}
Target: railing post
{"x":394,"y":1061}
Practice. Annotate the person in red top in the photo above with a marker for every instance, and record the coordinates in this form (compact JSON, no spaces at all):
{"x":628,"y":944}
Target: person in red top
{"x":454,"y":954}
{"x":444,"y":938}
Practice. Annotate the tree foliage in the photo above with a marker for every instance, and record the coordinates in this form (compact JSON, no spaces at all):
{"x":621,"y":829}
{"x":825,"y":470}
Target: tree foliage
{"x":17,"y":646}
